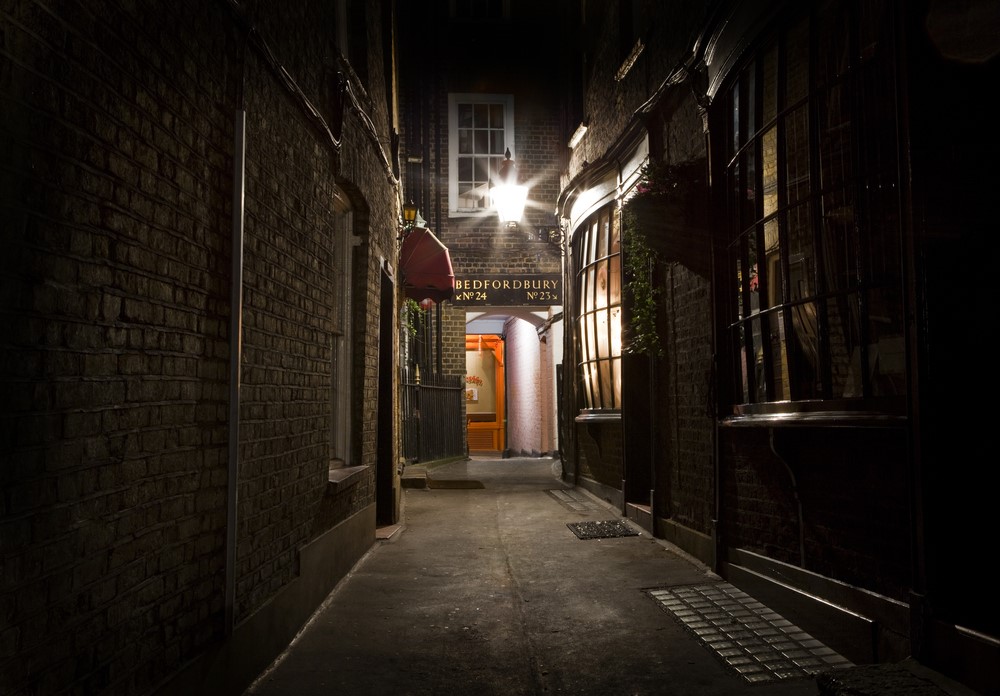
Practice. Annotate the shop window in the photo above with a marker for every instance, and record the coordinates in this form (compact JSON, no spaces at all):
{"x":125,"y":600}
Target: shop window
{"x":815,"y":312}
{"x":598,"y":312}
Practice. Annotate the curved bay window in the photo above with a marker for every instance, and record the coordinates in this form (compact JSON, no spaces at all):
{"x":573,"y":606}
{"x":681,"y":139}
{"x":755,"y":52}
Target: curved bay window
{"x":815,"y":315}
{"x":597,"y":245}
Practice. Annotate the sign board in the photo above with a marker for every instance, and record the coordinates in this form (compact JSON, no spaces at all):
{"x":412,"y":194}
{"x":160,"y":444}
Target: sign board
{"x":489,"y":290}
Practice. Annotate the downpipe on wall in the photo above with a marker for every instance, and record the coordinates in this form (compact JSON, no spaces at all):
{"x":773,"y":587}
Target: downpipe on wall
{"x":235,"y":358}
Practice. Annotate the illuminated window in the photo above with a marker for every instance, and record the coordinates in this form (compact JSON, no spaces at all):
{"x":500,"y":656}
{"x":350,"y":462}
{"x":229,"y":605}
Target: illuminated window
{"x":812,"y":201}
{"x":599,"y":310}
{"x":481,"y":128}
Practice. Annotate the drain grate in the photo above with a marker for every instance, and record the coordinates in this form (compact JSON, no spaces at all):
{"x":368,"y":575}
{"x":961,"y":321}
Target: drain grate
{"x":756,"y":642}
{"x":602,"y":529}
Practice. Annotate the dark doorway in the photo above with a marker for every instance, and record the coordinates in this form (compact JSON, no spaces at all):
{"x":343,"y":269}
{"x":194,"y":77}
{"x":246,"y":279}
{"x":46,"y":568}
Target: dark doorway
{"x":386,"y":510}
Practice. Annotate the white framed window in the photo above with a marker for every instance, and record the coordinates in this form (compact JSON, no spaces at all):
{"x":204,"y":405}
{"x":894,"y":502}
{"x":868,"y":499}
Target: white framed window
{"x":341,"y":354}
{"x":480,"y":129}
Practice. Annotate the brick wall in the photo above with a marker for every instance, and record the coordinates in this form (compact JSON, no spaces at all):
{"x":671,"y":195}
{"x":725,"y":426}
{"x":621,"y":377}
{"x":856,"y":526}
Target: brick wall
{"x":116,"y":169}
{"x":115,"y":191}
{"x":854,"y":520}
{"x":684,"y":427}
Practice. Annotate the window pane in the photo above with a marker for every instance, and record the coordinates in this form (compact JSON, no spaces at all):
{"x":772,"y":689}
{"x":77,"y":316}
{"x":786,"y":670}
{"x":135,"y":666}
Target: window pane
{"x":801,"y":258}
{"x":797,"y":63}
{"x":603,"y":333}
{"x":607,"y":395}
{"x":465,"y":142}
{"x":845,"y":349}
{"x":742,"y":384}
{"x":797,"y":154}
{"x":603,"y":286}
{"x":805,"y":349}
{"x":465,"y":115}
{"x":778,"y":389}
{"x":496,"y":142}
{"x":482,"y":169}
{"x":616,"y":371}
{"x":496,"y":116}
{"x":769,"y":95}
{"x":886,"y":354}
{"x":755,"y":349}
{"x":616,"y":332}
{"x":769,"y":172}
{"x":615,"y":281}
{"x":589,"y":278}
{"x":833,"y":56}
{"x":742,"y":287}
{"x":754,"y":285}
{"x":481,"y":119}
{"x":603,"y":232}
{"x":734,"y":124}
{"x":838,"y":239}
{"x":749,"y":184}
{"x":772,"y":266}
{"x":835,"y":139}
{"x":482,"y":143}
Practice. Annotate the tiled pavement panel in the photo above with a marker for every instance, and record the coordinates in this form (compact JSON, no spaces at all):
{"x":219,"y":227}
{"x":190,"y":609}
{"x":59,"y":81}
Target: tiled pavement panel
{"x":577,"y":501}
{"x":756,"y":642}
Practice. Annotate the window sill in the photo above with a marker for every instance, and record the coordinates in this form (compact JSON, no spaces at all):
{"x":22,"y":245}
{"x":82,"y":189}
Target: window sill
{"x":343,"y":477}
{"x":845,"y":419}
{"x":599,"y":417}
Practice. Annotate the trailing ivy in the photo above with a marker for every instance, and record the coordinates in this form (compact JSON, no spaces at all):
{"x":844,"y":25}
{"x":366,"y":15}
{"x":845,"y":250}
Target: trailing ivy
{"x":412,"y":311}
{"x":639,"y":260}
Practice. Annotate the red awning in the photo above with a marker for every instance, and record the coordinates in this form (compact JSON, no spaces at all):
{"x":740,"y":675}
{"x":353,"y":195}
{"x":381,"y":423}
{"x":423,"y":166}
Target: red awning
{"x":426,"y":266}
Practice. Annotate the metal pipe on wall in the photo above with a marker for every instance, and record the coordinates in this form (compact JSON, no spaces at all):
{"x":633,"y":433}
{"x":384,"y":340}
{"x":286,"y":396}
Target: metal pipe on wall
{"x":235,"y":357}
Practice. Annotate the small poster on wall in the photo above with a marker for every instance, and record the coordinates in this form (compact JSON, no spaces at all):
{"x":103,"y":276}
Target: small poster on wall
{"x":472,"y":394}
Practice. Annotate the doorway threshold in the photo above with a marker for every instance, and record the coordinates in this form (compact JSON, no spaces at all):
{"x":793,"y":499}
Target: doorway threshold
{"x":642,"y":515}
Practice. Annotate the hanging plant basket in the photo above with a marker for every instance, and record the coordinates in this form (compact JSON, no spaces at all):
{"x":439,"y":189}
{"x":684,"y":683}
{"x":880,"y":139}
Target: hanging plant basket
{"x":669,"y":209}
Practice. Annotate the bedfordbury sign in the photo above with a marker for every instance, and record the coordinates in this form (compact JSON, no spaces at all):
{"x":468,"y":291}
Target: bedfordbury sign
{"x":501,"y":290}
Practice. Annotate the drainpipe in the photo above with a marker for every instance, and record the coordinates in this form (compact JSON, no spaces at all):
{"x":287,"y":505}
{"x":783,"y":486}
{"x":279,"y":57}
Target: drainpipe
{"x":235,"y":357}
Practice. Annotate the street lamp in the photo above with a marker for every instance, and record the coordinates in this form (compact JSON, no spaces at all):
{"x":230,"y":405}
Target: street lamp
{"x":508,"y":195}
{"x":409,"y":219}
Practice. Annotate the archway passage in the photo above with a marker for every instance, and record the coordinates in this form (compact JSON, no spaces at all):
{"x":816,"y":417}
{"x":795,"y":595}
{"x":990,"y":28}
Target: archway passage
{"x":485,"y":394}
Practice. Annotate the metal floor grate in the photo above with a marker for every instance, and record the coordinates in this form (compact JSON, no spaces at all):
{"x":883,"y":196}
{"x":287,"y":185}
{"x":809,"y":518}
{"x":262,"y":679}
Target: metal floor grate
{"x":756,"y":642}
{"x":603,"y":529}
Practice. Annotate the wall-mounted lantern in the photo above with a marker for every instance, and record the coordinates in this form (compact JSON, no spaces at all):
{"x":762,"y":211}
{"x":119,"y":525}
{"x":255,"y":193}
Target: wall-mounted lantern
{"x":507,"y":194}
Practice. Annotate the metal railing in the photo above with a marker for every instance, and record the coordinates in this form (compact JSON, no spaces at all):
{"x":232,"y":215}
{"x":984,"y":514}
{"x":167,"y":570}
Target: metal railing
{"x":433,"y":426}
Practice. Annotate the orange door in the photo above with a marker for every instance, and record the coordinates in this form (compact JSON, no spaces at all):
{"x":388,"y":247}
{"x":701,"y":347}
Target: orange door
{"x":484,"y":393}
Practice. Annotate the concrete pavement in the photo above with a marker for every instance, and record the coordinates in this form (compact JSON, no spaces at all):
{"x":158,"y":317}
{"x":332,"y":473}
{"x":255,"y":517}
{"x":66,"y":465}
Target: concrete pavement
{"x":488,"y":591}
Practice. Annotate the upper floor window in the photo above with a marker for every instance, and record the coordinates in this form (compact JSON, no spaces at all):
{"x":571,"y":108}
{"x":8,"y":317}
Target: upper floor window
{"x":814,"y":271}
{"x":597,"y":245}
{"x":480,"y":129}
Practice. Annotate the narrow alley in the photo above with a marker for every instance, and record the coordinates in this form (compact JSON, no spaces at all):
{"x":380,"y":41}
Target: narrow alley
{"x":486,"y":589}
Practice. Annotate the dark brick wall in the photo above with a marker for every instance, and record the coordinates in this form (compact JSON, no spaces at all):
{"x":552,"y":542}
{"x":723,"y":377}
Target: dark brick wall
{"x":853,"y":494}
{"x":684,"y":428}
{"x":600,"y":453}
{"x":116,"y":135}
{"x":115,"y":214}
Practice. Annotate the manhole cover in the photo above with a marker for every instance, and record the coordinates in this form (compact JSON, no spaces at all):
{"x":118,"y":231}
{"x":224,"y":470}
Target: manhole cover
{"x":601,"y":529}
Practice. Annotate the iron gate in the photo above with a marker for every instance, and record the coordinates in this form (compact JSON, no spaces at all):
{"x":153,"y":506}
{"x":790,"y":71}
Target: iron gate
{"x":433,"y":426}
